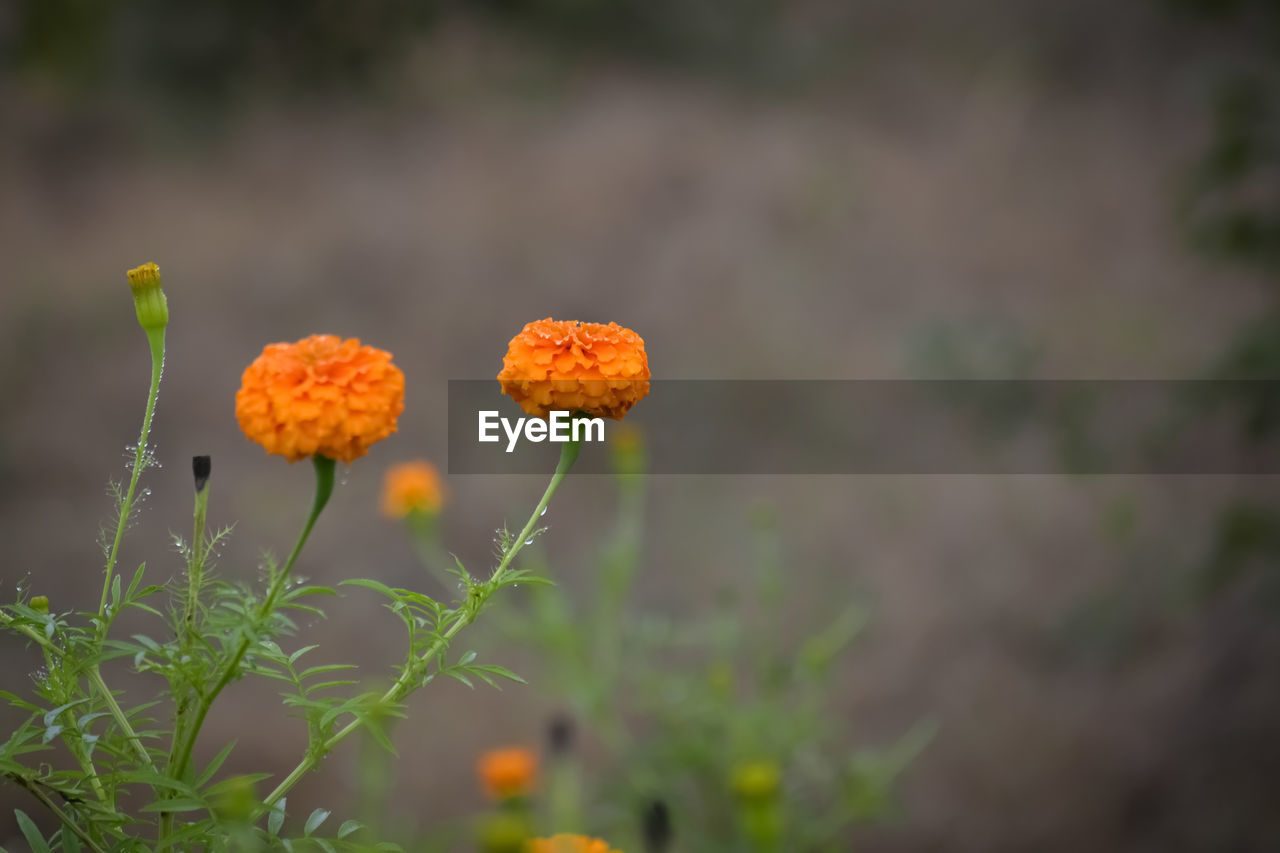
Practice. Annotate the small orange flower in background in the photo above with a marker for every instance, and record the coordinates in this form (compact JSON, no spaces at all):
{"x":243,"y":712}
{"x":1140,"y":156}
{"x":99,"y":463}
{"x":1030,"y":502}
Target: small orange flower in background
{"x":412,"y":487}
{"x":564,"y":365}
{"x":568,"y":844}
{"x":507,"y":772}
{"x":320,"y":396}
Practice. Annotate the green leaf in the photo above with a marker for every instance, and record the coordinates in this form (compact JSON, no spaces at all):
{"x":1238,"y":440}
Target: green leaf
{"x":467,"y":657}
{"x":275,"y":820}
{"x":462,"y":573}
{"x":373,"y":585}
{"x":453,"y":673}
{"x":177,"y":804}
{"x":31,"y":833}
{"x":214,"y":765}
{"x":137,"y":579}
{"x":318,"y":817}
{"x":293,"y":658}
{"x":348,"y":827}
{"x":70,"y":843}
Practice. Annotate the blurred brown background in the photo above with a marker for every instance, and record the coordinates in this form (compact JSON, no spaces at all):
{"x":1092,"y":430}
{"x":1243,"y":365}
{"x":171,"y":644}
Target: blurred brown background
{"x":807,"y":190}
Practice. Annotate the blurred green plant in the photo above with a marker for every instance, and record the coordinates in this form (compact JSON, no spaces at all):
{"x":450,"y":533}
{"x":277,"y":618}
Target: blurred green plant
{"x":718,"y":731}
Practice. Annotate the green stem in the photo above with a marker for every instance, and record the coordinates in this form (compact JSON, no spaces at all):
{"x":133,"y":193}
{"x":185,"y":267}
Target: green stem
{"x":156,"y":339}
{"x":195,"y":574}
{"x":324,"y":468}
{"x":34,"y":790}
{"x":117,"y":714}
{"x":404,"y":685}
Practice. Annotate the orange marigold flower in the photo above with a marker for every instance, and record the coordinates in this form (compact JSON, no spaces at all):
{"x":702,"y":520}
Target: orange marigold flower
{"x":507,"y":772}
{"x":412,"y":487}
{"x":564,"y":365}
{"x":568,"y":844}
{"x":321,"y":396}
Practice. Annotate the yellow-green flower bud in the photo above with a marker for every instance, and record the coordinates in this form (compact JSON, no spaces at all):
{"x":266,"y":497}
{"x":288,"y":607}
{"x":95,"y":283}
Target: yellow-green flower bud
{"x":148,"y":297}
{"x":628,"y":454}
{"x":756,"y":781}
{"x":235,"y":799}
{"x":40,"y":604}
{"x":504,"y":833}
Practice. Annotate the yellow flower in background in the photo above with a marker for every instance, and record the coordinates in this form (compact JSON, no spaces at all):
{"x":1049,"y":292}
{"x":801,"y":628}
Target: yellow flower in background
{"x":507,"y":772}
{"x":756,"y":780}
{"x":412,"y":487}
{"x":563,"y":365}
{"x":320,"y":396}
{"x":568,"y":844}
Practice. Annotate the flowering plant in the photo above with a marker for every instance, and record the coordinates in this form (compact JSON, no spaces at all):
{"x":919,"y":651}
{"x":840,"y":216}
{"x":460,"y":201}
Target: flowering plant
{"x":112,"y":772}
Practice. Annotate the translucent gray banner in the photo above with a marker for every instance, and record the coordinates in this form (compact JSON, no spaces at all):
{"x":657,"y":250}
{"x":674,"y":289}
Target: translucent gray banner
{"x":901,"y":427}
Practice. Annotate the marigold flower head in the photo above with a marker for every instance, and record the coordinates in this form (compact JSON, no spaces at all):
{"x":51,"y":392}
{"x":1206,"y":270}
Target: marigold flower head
{"x":568,"y":844}
{"x":564,"y":365}
{"x":507,"y":772}
{"x":412,"y":487}
{"x":320,"y":396}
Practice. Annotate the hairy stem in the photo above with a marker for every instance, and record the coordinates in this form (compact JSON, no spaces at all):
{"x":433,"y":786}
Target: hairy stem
{"x":409,"y":679}
{"x":156,"y":340}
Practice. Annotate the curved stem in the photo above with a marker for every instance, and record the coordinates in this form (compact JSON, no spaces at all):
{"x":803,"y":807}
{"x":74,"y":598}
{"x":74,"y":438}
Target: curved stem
{"x":324,"y":468}
{"x":404,"y":685}
{"x":156,"y":339}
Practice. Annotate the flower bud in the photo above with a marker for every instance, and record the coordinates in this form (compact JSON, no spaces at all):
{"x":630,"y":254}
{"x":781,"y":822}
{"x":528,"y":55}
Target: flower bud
{"x":235,"y":799}
{"x":148,"y":297}
{"x":503,"y":834}
{"x":756,"y":781}
{"x":40,"y":604}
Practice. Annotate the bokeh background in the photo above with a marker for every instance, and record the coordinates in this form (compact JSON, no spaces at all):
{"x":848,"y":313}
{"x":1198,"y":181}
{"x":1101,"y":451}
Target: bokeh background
{"x":764,"y":190}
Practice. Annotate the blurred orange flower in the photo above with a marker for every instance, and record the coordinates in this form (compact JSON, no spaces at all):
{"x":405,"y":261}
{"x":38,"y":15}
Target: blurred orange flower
{"x":320,"y":396}
{"x":412,"y":486}
{"x":568,"y":844}
{"x":592,"y":368}
{"x":507,"y":772}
